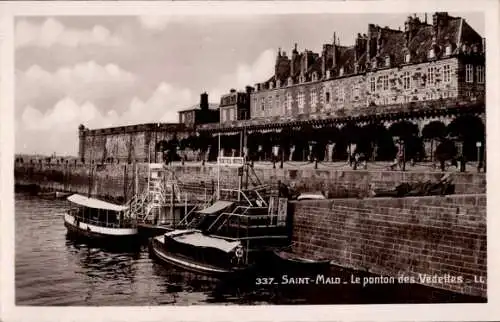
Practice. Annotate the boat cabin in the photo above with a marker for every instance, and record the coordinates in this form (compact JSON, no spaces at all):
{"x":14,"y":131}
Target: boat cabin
{"x":97,"y":212}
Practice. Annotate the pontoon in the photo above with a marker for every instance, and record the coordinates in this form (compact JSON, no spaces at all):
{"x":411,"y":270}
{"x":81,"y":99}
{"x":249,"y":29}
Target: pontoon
{"x":230,"y":236}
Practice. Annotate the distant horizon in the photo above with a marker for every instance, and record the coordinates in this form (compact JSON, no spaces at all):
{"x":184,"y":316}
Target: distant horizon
{"x":107,"y":71}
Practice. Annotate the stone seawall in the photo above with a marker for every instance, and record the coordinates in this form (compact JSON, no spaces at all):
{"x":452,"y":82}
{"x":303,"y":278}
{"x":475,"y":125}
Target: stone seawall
{"x":118,"y":180}
{"x":399,"y":237}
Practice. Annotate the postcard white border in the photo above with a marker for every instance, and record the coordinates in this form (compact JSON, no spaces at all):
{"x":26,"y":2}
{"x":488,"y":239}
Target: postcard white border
{"x":410,"y":312}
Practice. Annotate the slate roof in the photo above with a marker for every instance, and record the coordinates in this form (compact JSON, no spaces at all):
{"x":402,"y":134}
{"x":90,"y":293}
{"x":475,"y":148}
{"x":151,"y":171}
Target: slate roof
{"x":454,"y":31}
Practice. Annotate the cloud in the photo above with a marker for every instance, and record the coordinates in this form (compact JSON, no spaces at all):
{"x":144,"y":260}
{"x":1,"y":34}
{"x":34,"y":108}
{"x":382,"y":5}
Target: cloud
{"x":162,"y":106}
{"x":83,"y":81}
{"x":247,"y":74}
{"x":58,"y":126}
{"x":52,"y":32}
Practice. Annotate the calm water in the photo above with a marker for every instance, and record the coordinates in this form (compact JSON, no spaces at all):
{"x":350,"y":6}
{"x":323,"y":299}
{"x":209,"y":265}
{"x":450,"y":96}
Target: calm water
{"x":53,"y":270}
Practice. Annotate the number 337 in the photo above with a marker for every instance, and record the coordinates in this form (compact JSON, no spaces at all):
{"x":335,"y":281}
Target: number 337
{"x":264,"y":280}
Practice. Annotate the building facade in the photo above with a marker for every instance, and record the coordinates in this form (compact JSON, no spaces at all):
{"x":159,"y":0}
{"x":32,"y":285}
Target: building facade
{"x":388,"y":80}
{"x":235,"y":105}
{"x":424,"y":62}
{"x":202,"y":113}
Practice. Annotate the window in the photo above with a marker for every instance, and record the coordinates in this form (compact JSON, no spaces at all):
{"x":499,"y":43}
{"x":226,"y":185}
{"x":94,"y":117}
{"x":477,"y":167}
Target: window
{"x":448,"y":50}
{"x":300,"y":102}
{"x":314,"y":76}
{"x":374,"y":64}
{"x":385,"y":82}
{"x":341,"y":72}
{"x":431,"y":76}
{"x":327,"y":96}
{"x":355,"y":94}
{"x":328,"y":74}
{"x":262,"y":104}
{"x":277,"y":103}
{"x":290,"y":81}
{"x":314,"y":98}
{"x":341,"y":96}
{"x":388,"y":61}
{"x":269,"y":104}
{"x":432,"y":53}
{"x":289,"y":102}
{"x":271,"y":85}
{"x":480,"y":74}
{"x":278,"y":83}
{"x":407,"y":58}
{"x":231,"y":114}
{"x":446,"y":73}
{"x":406,"y":80}
{"x":372,"y":84}
{"x":469,"y":77}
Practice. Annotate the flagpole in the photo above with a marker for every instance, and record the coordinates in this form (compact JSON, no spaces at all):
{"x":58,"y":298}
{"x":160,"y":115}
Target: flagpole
{"x":218,"y":169}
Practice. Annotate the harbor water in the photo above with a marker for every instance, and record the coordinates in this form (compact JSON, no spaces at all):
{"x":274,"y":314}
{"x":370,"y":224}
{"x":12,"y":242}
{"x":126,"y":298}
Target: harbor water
{"x":52,"y":270}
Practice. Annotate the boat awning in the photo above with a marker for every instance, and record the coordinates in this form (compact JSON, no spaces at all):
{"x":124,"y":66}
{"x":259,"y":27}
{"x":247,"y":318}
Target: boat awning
{"x":199,"y":240}
{"x":216,"y":207}
{"x":95,"y":203}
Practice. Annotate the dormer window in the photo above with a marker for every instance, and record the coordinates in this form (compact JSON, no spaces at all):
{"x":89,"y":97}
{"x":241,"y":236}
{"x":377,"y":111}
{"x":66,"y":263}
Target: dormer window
{"x":387,"y":61}
{"x":302,"y":79}
{"x":432,"y":53}
{"x":328,"y":74}
{"x":314,"y":76}
{"x":407,"y":58}
{"x":448,"y":50}
{"x":374,"y":63}
{"x":341,"y":71}
{"x":290,"y":81}
{"x":257,"y":87}
{"x":271,"y":85}
{"x":278,"y":83}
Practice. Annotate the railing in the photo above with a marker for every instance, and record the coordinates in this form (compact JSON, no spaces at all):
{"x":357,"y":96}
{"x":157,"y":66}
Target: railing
{"x":223,"y":215}
{"x":124,"y":224}
{"x":247,"y":218}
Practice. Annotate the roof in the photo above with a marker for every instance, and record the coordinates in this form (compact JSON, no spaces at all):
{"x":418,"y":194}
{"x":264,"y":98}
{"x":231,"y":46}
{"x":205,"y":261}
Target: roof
{"x":95,"y":203}
{"x":390,"y":42}
{"x":216,"y":207}
{"x":211,"y":106}
{"x":199,"y":240}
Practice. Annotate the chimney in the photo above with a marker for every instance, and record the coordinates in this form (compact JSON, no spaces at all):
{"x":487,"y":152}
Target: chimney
{"x":295,"y":62}
{"x":232,"y":90}
{"x":249,"y":89}
{"x":204,"y":101}
{"x":371,"y":46}
{"x":439,"y":20}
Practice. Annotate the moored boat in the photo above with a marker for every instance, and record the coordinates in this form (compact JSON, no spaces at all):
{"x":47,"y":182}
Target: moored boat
{"x":229,"y":237}
{"x":193,"y":251}
{"x":98,"y":220}
{"x":287,"y":262}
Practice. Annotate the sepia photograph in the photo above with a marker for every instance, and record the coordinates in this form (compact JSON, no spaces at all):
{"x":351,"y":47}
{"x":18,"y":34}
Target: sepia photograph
{"x":250,"y":159}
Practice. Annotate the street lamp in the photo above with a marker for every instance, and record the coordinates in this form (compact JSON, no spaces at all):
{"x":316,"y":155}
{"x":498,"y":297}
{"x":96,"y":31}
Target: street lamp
{"x":478,"y":146}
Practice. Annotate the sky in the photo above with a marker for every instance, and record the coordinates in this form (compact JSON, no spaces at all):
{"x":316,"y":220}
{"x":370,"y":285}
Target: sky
{"x":104,"y":71}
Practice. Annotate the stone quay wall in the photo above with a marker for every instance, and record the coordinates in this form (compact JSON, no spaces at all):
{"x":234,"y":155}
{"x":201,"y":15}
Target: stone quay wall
{"x":118,"y":180}
{"x":400,"y":237}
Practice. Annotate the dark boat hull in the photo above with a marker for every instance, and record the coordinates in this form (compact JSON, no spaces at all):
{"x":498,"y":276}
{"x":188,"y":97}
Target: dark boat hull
{"x":292,"y":264}
{"x":160,"y":253}
{"x":100,"y":239}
